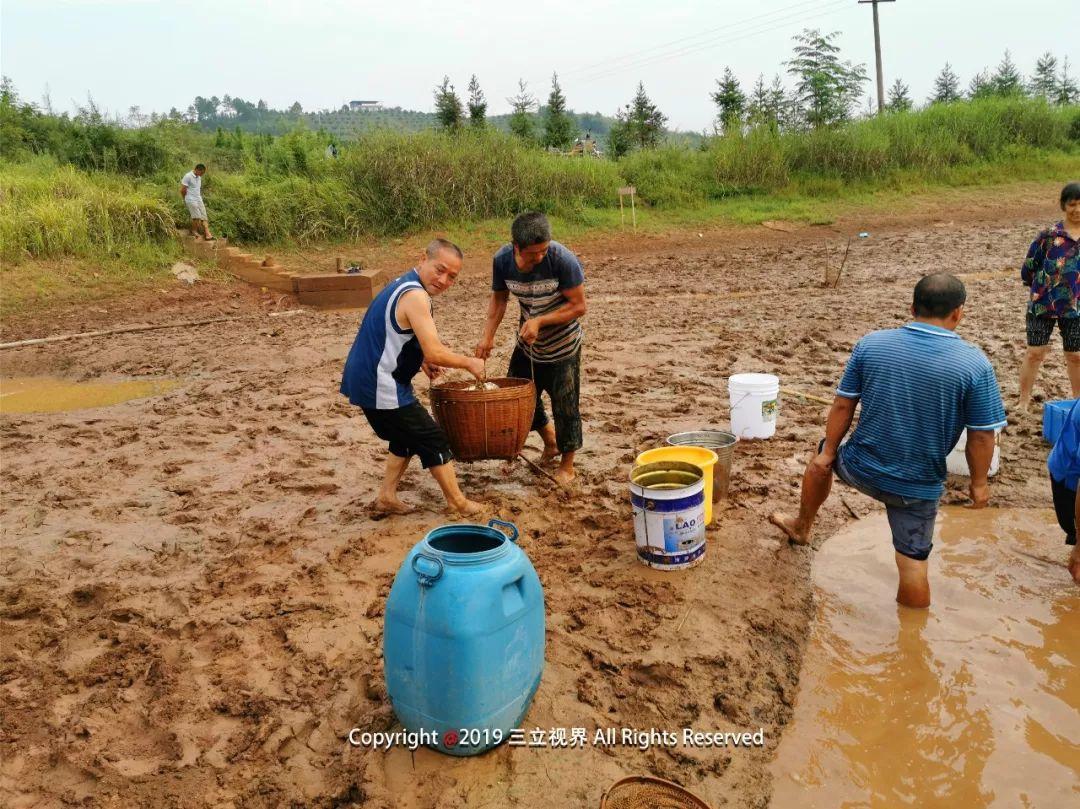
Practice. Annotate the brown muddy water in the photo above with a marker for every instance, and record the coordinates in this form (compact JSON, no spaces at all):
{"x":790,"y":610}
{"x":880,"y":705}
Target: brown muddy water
{"x":974,"y":702}
{"x":50,"y":394}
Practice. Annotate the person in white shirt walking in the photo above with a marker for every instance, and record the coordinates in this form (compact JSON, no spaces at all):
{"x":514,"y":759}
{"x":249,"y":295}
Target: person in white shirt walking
{"x":191,"y":192}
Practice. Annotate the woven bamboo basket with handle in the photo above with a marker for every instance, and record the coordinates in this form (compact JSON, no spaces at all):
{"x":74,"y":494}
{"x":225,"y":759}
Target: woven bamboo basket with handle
{"x":485,"y":424}
{"x":648,"y":792}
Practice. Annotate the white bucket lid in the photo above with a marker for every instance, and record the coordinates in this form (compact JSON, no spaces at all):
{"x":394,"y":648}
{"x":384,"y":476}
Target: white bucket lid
{"x":754,"y":382}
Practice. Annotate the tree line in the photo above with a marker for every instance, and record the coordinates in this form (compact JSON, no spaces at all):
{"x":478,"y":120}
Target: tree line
{"x":827,"y":91}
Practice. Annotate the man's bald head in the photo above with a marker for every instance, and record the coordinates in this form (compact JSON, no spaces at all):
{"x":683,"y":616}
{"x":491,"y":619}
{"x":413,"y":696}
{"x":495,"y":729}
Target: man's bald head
{"x":938,"y":295}
{"x":435,"y":246}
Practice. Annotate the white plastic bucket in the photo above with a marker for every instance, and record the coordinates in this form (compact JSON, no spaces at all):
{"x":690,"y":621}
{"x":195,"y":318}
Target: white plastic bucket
{"x":956,"y":461}
{"x":755,"y":404}
{"x":668,"y":498}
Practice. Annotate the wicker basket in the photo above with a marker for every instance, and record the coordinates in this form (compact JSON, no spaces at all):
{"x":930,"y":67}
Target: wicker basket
{"x":647,"y":792}
{"x":485,"y":424}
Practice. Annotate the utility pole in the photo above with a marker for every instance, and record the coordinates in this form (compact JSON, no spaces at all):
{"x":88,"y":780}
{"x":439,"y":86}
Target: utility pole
{"x":877,"y":54}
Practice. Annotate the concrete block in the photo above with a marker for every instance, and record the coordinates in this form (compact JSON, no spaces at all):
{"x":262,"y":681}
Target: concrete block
{"x":253,"y":274}
{"x":336,"y":298}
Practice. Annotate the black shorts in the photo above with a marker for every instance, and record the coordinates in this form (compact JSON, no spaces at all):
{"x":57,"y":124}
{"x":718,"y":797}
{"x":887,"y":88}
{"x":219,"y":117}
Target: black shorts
{"x":1040,"y":327}
{"x":411,"y":430}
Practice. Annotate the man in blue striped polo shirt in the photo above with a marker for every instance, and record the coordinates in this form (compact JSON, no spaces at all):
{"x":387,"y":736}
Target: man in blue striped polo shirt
{"x":549,"y":284}
{"x":920,"y":386}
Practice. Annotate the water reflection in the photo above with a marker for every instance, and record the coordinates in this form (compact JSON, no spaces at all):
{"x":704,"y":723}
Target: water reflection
{"x":974,"y":702}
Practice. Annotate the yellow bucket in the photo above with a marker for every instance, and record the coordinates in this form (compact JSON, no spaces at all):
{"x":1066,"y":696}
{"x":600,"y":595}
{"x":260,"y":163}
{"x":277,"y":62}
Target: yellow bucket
{"x":698,"y":456}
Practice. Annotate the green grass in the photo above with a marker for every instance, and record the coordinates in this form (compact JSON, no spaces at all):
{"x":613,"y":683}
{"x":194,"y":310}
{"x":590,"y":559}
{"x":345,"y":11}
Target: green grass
{"x":59,"y":215}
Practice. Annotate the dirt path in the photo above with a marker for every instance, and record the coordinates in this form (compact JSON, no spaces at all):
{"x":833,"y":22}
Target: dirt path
{"x":192,"y":591}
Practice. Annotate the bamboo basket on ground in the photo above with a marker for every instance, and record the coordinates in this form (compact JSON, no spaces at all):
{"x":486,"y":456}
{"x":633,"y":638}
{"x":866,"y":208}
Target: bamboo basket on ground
{"x":648,"y":792}
{"x":485,"y":424}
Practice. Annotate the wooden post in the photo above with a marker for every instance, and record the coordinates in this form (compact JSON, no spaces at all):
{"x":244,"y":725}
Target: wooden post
{"x":339,"y":264}
{"x":625,"y":190}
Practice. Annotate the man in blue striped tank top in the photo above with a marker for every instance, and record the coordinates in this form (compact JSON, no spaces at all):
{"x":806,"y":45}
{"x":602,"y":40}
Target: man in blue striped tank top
{"x":549,"y":284}
{"x":398,"y":339}
{"x":919,"y":387}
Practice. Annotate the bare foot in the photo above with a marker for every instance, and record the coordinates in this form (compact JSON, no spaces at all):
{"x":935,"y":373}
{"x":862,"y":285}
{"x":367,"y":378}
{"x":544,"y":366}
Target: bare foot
{"x":790,"y":527}
{"x":1074,"y":565}
{"x":548,"y":455}
{"x":381,"y":505}
{"x":467,"y":507}
{"x":564,"y":477}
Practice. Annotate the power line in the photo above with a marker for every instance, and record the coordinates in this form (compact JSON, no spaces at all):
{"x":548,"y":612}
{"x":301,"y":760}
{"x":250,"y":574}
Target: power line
{"x":726,"y":28}
{"x":832,"y":8}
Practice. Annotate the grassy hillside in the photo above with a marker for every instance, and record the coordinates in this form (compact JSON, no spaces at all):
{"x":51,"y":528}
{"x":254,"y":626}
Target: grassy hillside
{"x":108,"y":197}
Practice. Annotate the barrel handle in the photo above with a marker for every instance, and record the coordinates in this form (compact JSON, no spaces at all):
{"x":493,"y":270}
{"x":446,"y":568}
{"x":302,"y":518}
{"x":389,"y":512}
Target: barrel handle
{"x":513,"y":535}
{"x":427,"y":579}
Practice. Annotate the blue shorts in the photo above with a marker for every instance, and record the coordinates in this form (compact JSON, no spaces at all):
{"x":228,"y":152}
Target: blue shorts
{"x":912,"y":521}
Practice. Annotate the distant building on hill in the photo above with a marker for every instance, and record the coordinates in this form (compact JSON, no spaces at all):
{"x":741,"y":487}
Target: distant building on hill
{"x":364,"y":105}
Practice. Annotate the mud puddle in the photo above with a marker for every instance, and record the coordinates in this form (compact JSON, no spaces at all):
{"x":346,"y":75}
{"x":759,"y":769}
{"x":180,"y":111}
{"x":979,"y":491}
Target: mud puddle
{"x":50,"y":394}
{"x":975,"y":702}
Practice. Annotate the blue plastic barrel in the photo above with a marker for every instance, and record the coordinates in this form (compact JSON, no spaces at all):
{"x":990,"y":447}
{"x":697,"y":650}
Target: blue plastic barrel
{"x":463,"y":637}
{"x":1054,"y":416}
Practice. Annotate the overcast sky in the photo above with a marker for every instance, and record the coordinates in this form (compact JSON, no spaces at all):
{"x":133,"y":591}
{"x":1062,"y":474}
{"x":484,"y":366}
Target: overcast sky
{"x":323,"y":53}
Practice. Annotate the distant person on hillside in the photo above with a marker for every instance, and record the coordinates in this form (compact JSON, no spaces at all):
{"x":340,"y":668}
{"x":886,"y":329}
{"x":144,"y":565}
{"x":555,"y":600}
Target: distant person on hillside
{"x":1064,"y":465}
{"x":919,"y":385}
{"x":191,"y":193}
{"x":549,"y":284}
{"x":1052,"y":272}
{"x":398,"y":339}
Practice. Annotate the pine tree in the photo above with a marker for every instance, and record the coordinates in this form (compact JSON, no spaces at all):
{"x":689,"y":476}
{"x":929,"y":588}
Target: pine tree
{"x":477,"y":104}
{"x":558,"y":126}
{"x":1007,"y":80}
{"x":768,"y":106}
{"x":645,"y":122}
{"x":946,"y":86}
{"x":1044,"y":81}
{"x":826,"y":88}
{"x":448,"y":110}
{"x":899,"y":97}
{"x":521,"y":119}
{"x":730,"y":101}
{"x":782,"y":110}
{"x":757,"y":103}
{"x":980,"y":86}
{"x":1066,"y":90}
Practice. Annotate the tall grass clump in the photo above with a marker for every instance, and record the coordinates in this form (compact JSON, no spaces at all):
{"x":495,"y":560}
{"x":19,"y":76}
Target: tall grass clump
{"x":671,"y":176}
{"x":933,"y":139}
{"x":748,"y":162}
{"x":49,"y":210}
{"x":397,"y":182}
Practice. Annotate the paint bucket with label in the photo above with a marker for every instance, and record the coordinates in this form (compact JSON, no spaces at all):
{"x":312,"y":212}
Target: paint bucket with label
{"x":755,"y":403}
{"x":668,"y":498}
{"x":701,"y":457}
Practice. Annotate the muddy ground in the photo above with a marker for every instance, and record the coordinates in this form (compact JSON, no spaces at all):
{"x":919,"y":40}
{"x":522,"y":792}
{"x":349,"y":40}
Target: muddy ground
{"x":193,"y":591}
